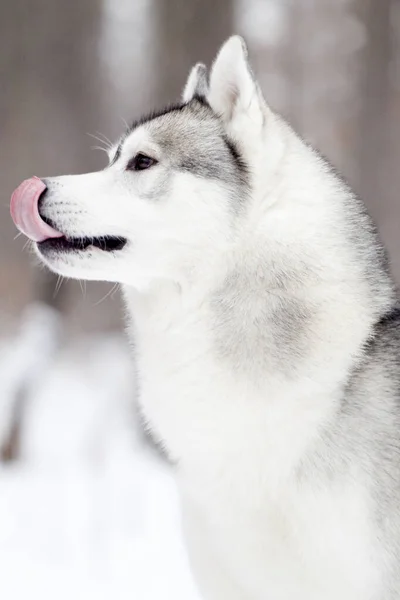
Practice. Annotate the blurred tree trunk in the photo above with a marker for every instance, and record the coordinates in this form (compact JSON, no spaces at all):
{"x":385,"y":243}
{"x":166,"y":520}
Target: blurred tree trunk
{"x":293,"y":65}
{"x":67,"y":79}
{"x":378,"y":178}
{"x":374,"y":99}
{"x":186,"y":33}
{"x":52,"y":104}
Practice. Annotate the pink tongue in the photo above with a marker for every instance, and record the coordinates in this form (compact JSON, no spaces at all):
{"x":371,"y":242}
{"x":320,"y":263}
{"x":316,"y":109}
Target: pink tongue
{"x":25,"y":212}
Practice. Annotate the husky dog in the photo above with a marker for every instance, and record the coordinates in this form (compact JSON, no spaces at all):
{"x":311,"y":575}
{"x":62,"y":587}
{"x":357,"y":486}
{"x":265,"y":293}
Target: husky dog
{"x":266,"y":331}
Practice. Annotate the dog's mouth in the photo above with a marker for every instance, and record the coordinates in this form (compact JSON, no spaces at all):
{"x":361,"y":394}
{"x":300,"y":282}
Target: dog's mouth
{"x":107,"y":243}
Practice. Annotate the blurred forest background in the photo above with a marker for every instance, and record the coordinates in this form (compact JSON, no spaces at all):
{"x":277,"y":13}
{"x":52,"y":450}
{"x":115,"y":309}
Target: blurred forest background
{"x":86,"y":508}
{"x":332,"y":67}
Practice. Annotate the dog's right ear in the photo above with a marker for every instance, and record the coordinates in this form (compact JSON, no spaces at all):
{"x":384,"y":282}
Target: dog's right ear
{"x":197,"y":83}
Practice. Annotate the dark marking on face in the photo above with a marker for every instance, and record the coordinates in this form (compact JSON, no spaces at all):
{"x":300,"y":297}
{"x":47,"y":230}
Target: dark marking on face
{"x":155,"y":114}
{"x":193,"y":139}
{"x":201,"y":166}
{"x":237,"y":157}
{"x":116,"y":155}
{"x":170,"y":108}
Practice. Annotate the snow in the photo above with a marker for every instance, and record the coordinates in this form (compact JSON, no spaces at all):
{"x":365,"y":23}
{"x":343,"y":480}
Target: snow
{"x":88,"y":510}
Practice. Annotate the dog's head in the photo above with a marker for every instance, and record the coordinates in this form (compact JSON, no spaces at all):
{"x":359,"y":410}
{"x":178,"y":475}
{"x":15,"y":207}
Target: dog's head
{"x":168,"y":202}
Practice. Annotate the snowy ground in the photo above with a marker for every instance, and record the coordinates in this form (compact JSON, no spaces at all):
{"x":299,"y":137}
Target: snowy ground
{"x":88,"y":511}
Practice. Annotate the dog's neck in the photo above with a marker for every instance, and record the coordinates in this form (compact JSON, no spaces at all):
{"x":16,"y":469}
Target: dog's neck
{"x":169,"y":299}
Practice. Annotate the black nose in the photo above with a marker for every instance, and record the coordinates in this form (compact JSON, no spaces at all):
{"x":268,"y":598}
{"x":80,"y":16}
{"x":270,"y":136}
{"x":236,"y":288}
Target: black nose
{"x":41,"y":199}
{"x":41,"y":207}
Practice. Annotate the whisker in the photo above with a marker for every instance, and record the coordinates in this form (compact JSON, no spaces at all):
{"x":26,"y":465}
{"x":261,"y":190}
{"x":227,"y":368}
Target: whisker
{"x":106,"y":139}
{"x":82,"y":285}
{"x":60,"y":281}
{"x":125,"y":122}
{"x":116,"y":288}
{"x":96,"y":137}
{"x":99,"y":148}
{"x":109,"y":293}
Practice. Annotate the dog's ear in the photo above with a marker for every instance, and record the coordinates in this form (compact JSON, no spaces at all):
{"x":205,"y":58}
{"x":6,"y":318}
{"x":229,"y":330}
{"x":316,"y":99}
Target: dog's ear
{"x":197,"y":83}
{"x":233,"y":89}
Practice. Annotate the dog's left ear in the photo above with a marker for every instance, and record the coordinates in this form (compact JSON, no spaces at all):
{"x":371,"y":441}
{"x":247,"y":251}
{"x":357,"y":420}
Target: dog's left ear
{"x":233,"y":89}
{"x":197,"y":83}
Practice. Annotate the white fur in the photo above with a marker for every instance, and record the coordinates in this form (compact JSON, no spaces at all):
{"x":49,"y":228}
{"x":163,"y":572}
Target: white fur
{"x":255,"y":530}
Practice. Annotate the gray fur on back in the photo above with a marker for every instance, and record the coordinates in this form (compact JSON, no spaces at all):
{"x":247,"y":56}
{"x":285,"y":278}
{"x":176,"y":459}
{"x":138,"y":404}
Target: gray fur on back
{"x":363,"y":442}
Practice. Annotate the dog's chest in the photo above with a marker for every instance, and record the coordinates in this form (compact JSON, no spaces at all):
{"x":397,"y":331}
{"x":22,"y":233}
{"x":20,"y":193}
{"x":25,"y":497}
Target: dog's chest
{"x":183,"y":390}
{"x":198,"y":405}
{"x":208,"y":414}
{"x":237,"y":448}
{"x":305,"y":544}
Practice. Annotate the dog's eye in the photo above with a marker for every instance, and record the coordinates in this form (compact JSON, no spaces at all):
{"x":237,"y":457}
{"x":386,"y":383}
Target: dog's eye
{"x":140,"y":162}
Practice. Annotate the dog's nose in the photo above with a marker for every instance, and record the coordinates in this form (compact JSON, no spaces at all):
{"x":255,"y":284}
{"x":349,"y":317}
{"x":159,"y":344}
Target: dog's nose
{"x":41,"y":197}
{"x":25,"y":210}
